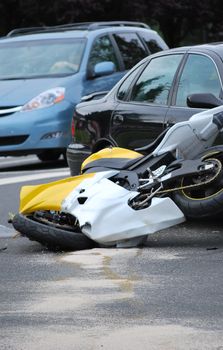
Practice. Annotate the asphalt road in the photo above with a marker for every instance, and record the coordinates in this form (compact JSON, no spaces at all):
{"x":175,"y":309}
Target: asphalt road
{"x":167,"y":295}
{"x":16,"y":172}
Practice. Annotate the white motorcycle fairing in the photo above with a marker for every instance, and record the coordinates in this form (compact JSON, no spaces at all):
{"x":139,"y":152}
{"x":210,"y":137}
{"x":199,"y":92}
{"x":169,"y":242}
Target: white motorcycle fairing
{"x":102,"y":209}
{"x":190,"y":138}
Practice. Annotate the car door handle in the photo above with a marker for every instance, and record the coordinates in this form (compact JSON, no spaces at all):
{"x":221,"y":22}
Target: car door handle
{"x":118,"y":119}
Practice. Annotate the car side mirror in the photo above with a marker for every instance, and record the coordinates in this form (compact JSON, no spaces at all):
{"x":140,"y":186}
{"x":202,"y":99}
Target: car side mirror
{"x":203,"y":100}
{"x":101,"y":69}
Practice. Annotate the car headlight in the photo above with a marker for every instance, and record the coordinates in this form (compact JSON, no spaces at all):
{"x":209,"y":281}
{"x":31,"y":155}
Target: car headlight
{"x":45,"y":99}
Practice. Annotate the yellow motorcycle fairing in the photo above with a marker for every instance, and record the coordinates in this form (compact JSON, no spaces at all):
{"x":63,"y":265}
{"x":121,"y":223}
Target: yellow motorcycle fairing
{"x":115,"y":153}
{"x":48,"y":196}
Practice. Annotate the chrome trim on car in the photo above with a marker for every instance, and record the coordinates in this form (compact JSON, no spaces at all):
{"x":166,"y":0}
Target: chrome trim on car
{"x":10,"y":110}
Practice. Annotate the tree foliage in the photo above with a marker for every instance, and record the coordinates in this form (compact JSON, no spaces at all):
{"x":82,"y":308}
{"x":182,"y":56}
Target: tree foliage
{"x":179,"y":21}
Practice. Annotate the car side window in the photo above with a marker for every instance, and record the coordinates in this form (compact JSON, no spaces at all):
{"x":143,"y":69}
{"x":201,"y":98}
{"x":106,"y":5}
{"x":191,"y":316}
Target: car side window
{"x":102,"y":50}
{"x":125,"y":86}
{"x":154,"y":84}
{"x":199,"y":76}
{"x":131,"y":48}
{"x":151,"y":43}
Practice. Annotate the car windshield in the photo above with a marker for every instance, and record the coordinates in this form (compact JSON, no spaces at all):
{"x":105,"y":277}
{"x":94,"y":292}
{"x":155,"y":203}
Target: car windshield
{"x":40,"y":58}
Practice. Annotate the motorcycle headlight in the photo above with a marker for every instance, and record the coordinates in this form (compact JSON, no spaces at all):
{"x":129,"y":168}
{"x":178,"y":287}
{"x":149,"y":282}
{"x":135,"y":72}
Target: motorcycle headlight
{"x":45,"y":99}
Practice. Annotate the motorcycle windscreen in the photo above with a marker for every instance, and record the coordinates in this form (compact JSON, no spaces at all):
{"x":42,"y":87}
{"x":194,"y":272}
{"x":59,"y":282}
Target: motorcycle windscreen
{"x":48,"y":196}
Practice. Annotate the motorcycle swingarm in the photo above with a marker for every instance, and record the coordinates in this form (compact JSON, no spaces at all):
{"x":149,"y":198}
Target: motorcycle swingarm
{"x":179,"y":169}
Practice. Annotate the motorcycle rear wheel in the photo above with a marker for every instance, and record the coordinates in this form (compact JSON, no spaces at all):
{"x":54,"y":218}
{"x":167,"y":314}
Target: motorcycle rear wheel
{"x":53,"y":237}
{"x":206,"y":200}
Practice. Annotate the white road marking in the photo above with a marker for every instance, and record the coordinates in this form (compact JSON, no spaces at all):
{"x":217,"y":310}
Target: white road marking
{"x":37,"y":176}
{"x":6,"y":232}
{"x":17,"y":161}
{"x":30,"y":172}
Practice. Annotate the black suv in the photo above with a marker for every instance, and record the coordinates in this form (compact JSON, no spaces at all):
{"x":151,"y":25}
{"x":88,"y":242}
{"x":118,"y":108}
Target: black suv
{"x":151,"y":97}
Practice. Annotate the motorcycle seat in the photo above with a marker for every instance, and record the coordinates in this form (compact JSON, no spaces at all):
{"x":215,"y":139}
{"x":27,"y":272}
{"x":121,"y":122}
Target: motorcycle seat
{"x":110,"y":163}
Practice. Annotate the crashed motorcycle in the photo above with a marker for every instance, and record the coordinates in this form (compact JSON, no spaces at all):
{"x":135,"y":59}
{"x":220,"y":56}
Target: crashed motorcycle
{"x":122,"y":195}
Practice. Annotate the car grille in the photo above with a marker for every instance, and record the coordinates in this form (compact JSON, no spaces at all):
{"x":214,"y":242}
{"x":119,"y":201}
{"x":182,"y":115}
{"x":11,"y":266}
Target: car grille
{"x":4,"y":111}
{"x":12,"y":140}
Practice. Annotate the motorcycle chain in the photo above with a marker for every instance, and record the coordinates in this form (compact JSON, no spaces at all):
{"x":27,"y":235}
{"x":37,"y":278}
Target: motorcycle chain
{"x":195,"y":185}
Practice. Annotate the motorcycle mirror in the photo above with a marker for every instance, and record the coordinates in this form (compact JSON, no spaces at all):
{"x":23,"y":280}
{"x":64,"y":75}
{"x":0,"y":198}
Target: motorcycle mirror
{"x":203,"y":100}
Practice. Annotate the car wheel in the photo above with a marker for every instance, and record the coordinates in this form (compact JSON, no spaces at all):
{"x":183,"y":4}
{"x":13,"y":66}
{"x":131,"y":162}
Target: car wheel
{"x":49,"y":155}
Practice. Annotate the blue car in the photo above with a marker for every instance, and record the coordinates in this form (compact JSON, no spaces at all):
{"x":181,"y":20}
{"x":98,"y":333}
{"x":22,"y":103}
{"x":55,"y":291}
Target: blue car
{"x":44,"y":73}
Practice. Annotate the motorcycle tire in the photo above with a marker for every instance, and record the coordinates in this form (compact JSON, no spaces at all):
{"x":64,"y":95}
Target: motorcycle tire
{"x":50,"y":236}
{"x":205,"y":201}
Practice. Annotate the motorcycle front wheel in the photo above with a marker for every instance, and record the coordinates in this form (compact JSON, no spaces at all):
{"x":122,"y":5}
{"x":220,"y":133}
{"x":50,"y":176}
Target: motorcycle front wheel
{"x":206,"y":199}
{"x":55,"y":237}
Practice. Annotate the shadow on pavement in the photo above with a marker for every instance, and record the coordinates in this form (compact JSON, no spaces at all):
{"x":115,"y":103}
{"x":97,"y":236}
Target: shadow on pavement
{"x":196,"y":233}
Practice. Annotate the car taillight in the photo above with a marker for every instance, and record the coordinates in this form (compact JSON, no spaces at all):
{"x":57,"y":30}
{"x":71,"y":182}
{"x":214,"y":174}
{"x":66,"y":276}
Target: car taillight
{"x":72,"y":128}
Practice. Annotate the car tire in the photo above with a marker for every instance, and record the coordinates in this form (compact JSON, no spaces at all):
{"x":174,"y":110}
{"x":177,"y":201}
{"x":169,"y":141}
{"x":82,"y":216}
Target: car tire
{"x":49,"y":155}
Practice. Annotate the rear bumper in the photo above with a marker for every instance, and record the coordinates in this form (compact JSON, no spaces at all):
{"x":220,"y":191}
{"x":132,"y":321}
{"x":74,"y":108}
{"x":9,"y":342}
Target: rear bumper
{"x":76,"y":154}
